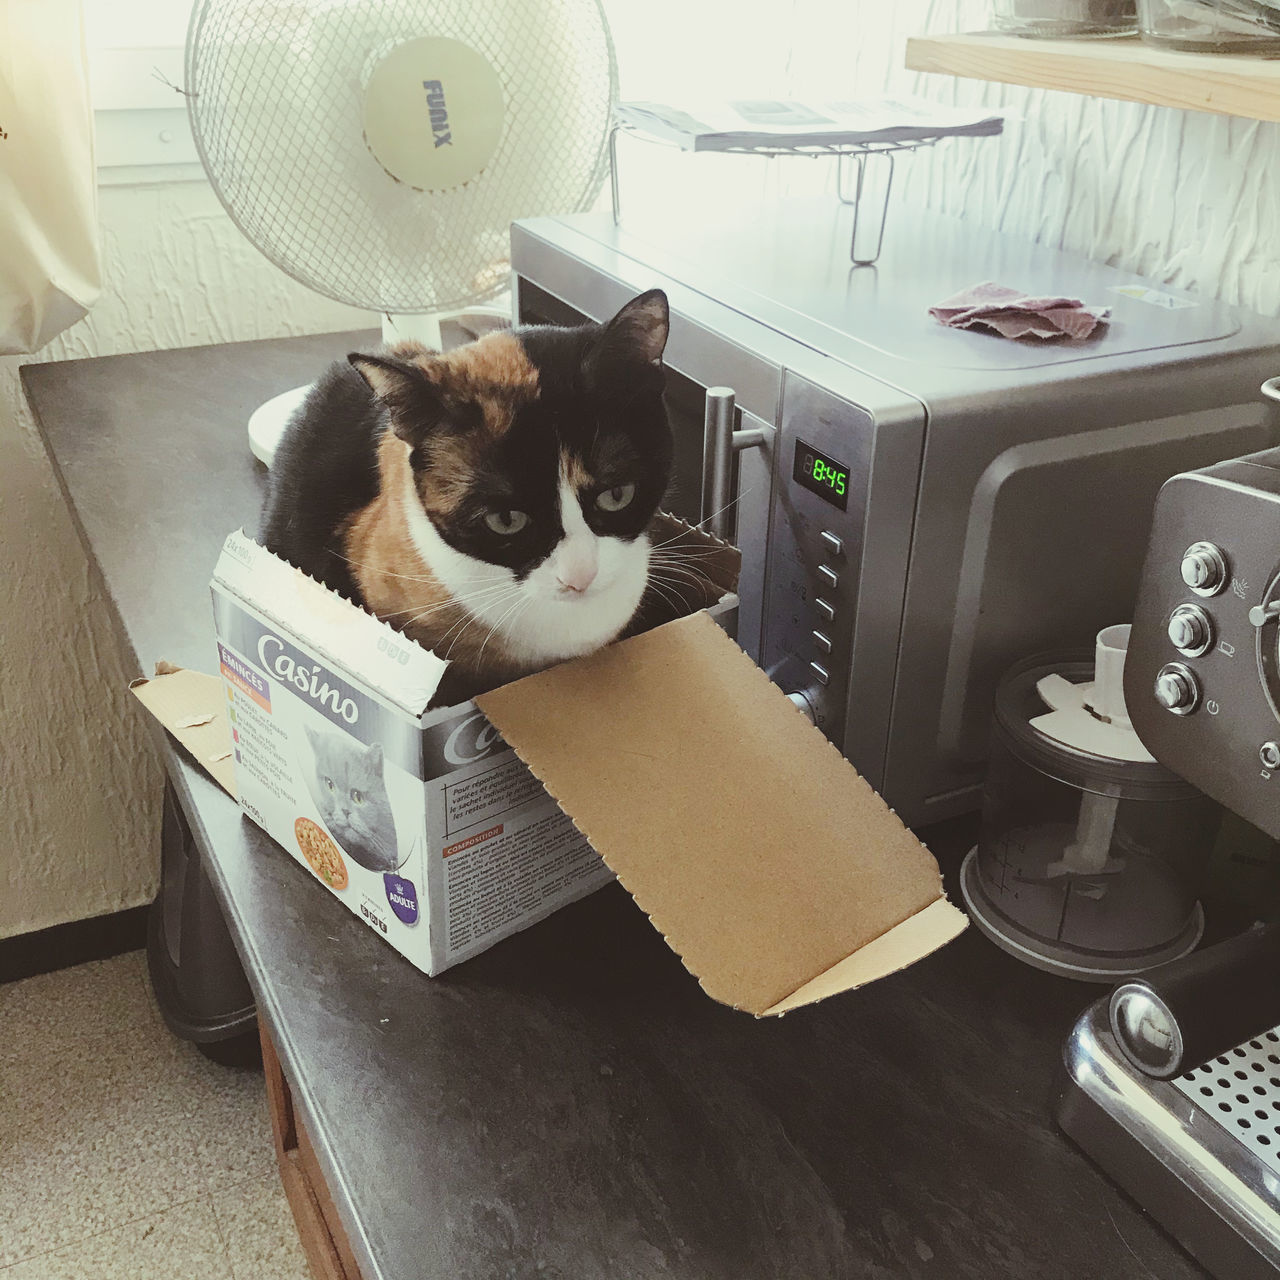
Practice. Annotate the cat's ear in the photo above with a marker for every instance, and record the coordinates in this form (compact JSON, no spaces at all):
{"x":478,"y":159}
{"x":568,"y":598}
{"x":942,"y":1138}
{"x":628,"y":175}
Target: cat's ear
{"x":637,"y":334}
{"x":374,"y":756}
{"x":415,"y":403}
{"x":312,"y":737}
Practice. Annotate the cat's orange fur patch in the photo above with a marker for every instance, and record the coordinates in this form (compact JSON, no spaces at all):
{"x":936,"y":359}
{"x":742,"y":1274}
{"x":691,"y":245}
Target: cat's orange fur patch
{"x":493,"y":372}
{"x":396,"y":582}
{"x":574,"y":470}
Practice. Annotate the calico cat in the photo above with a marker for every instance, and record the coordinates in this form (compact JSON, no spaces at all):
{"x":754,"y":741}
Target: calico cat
{"x":351,"y":794}
{"x":491,"y":502}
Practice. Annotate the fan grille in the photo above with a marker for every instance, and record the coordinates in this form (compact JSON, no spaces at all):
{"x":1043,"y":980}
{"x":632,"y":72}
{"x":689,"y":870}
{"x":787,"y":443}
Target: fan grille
{"x":275,"y":97}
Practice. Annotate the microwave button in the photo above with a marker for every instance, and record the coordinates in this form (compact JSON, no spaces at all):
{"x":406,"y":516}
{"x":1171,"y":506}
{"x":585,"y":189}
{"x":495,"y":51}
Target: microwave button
{"x":820,"y":673}
{"x":832,"y":543}
{"x":830,"y":578}
{"x":1269,"y":754}
{"x":823,"y":642}
{"x":826,"y":610}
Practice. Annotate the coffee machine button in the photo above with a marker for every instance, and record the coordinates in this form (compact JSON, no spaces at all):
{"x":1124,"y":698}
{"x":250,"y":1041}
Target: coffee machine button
{"x":828,"y":576}
{"x":1177,"y":689}
{"x":826,"y":610}
{"x":832,"y":542}
{"x":820,"y":673}
{"x":1204,"y":568}
{"x":1269,"y":754}
{"x":1191,"y":630}
{"x":822,"y":641}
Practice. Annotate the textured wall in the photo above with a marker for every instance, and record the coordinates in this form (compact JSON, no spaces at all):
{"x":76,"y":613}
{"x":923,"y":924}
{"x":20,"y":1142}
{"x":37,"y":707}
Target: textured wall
{"x":1179,"y":195}
{"x":79,"y":786}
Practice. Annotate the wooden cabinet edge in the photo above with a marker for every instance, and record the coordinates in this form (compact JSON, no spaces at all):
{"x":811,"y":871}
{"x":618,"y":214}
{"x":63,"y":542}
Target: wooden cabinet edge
{"x":320,"y":1231}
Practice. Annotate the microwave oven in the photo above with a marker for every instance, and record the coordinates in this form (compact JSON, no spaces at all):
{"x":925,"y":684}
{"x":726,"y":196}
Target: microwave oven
{"x":977,"y":499}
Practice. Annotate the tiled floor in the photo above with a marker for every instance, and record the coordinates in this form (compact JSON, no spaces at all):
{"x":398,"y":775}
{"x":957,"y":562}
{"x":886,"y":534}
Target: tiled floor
{"x":124,"y":1152}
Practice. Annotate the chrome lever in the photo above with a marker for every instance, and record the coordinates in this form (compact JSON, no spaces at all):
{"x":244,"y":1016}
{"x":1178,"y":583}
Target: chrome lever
{"x":719,"y":443}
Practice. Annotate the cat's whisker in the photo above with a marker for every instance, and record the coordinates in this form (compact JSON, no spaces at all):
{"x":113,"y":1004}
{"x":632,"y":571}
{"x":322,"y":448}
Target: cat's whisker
{"x":679,"y":564}
{"x":414,"y":577}
{"x":508,"y":617}
{"x":672,"y":584}
{"x":687,"y":553}
{"x":451,"y":602}
{"x":707,"y":519}
{"x":693,"y":576}
{"x":466,"y":623}
{"x":661,"y":591}
{"x":448,"y":604}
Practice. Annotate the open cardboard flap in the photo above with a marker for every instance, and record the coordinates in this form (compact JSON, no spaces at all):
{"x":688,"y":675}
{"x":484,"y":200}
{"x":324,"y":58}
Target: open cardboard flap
{"x":771,"y":868}
{"x":192,"y":707}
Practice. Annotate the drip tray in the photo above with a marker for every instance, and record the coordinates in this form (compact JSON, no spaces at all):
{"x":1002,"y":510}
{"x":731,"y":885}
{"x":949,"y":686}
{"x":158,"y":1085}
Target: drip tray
{"x":1240,"y":1092}
{"x":1200,"y":1153}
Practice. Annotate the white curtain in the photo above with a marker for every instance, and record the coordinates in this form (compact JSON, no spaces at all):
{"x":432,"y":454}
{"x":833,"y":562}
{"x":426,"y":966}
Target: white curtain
{"x":50,"y":265}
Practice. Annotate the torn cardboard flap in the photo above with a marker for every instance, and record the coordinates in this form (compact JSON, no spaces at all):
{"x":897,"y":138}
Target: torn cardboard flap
{"x":191,"y":706}
{"x":774,"y":871}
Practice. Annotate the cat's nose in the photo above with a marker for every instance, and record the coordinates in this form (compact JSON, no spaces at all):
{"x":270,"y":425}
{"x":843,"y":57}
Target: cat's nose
{"x":573,"y":579}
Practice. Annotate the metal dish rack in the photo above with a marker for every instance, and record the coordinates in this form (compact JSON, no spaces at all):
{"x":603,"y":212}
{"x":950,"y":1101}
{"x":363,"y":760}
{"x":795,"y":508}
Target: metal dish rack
{"x":861,"y":254}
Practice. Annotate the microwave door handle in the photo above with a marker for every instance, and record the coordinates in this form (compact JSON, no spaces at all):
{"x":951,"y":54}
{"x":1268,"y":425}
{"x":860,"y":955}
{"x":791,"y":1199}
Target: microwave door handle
{"x":719,"y":443}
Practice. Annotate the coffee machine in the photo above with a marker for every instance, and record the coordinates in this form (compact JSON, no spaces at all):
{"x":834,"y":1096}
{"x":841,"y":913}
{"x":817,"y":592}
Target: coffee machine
{"x":1172,"y":1083}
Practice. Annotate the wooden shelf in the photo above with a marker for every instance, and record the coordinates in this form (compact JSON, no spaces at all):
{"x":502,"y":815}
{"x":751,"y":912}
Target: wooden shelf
{"x":1229,"y":84}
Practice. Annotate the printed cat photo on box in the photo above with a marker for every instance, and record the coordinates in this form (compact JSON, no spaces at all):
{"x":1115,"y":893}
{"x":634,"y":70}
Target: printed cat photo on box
{"x":491,"y":502}
{"x":346,"y":781}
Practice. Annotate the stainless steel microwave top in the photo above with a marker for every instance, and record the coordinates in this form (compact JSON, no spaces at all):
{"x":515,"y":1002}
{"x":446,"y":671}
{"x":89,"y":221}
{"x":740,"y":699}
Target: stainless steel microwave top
{"x":930,"y":505}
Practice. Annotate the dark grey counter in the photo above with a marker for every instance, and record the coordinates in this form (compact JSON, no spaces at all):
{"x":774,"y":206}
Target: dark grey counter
{"x":570,"y":1104}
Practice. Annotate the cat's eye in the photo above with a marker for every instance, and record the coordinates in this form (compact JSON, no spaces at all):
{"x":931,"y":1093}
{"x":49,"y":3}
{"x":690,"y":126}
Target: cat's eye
{"x":357,"y":797}
{"x":506,"y":522}
{"x":328,"y":782}
{"x":617,"y":498}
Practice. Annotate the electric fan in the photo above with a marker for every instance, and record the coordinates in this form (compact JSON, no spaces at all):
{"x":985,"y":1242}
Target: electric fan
{"x":377,"y":151}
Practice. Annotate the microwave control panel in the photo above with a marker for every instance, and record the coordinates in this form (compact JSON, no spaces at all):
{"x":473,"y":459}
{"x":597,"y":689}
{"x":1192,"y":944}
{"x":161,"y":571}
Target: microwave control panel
{"x":822,"y":468}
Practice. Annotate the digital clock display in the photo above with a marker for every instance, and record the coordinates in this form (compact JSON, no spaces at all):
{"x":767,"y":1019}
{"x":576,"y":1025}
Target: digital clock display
{"x":822,"y":475}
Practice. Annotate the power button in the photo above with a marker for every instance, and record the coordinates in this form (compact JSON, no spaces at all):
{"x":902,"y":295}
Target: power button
{"x":1177,"y":688}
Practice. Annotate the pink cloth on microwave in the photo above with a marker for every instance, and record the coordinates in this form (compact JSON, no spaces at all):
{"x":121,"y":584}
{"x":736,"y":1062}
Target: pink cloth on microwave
{"x":1014,"y":314}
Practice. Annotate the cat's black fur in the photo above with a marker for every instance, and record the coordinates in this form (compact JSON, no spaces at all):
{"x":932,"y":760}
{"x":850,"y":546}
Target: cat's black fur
{"x":326,"y":466}
{"x":325,"y":470}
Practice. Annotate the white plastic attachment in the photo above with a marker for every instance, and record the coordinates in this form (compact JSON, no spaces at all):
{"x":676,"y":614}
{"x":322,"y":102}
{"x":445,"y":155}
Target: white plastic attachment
{"x":1092,"y":716}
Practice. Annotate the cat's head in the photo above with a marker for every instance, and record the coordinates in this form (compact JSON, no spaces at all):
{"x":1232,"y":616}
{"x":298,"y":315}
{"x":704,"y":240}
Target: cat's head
{"x":351,"y":794}
{"x":538,"y":459}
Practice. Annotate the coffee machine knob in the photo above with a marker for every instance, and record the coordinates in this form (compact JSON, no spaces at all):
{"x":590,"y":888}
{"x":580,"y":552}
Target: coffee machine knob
{"x":1190,"y":630}
{"x":805,"y":703}
{"x":1177,"y":689}
{"x":1204,"y":568}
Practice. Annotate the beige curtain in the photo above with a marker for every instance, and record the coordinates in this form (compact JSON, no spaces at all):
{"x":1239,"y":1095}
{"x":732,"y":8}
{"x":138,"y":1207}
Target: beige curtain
{"x":50,"y":266}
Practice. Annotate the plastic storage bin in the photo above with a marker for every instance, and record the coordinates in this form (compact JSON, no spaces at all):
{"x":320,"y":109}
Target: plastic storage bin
{"x":1065,"y":17}
{"x":1242,"y":26}
{"x":1087,"y":864}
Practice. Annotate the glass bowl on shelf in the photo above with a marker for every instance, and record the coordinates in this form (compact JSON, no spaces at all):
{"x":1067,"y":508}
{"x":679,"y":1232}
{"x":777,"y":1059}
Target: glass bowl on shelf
{"x":1211,"y":26}
{"x":1056,"y":18}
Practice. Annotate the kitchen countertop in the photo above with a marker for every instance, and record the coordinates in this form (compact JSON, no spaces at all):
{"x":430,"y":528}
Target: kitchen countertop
{"x":570,"y":1104}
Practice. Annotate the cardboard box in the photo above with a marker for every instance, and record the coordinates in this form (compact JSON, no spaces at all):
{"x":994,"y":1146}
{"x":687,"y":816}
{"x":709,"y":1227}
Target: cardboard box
{"x":771,"y":868}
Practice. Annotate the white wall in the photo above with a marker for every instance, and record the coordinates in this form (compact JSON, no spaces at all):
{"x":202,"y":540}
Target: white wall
{"x":1180,"y":196}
